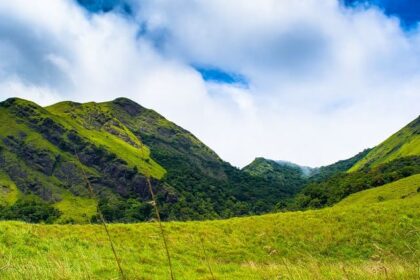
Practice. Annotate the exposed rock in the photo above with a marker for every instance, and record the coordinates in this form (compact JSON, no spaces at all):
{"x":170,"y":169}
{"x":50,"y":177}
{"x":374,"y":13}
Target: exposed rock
{"x":129,"y":106}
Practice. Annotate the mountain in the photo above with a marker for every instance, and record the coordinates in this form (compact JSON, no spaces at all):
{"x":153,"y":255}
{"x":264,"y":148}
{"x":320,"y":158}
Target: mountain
{"x":45,"y":151}
{"x":306,"y":170}
{"x":288,"y":176}
{"x":293,"y":177}
{"x":406,"y":142}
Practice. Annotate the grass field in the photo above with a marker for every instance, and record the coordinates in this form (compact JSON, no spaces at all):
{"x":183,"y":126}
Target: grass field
{"x":364,"y":237}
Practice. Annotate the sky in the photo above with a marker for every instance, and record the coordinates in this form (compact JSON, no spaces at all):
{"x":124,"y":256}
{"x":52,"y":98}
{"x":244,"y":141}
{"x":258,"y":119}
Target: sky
{"x":307,"y":81}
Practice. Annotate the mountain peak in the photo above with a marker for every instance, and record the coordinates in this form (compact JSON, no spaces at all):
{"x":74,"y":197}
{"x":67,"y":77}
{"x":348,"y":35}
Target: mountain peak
{"x":16,"y":101}
{"x":128,"y":105}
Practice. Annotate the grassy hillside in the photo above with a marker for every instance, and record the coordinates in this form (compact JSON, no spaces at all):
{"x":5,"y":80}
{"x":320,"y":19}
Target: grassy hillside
{"x":38,"y":158}
{"x":318,"y":194}
{"x":401,"y":189}
{"x":97,"y":123}
{"x":405,"y":142}
{"x":361,"y":238}
{"x":9,"y":193}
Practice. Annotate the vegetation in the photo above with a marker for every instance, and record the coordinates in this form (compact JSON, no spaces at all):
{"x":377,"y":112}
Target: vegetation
{"x":31,"y":209}
{"x":45,"y":155}
{"x":200,"y":185}
{"x":401,"y":189}
{"x":406,"y":142}
{"x":288,"y":177}
{"x":9,"y":193}
{"x":325,"y":172}
{"x":75,"y":209}
{"x":363,"y":237}
{"x":330,"y":191}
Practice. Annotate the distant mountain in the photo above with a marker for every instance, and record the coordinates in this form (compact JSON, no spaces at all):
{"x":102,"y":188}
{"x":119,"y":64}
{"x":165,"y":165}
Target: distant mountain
{"x":406,"y":142}
{"x":292,"y":177}
{"x":44,"y":152}
{"x":306,"y":170}
{"x":288,"y":176}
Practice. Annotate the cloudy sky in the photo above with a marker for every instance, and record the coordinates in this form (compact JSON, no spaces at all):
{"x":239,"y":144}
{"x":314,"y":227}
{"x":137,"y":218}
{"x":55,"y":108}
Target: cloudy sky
{"x":308,"y":81}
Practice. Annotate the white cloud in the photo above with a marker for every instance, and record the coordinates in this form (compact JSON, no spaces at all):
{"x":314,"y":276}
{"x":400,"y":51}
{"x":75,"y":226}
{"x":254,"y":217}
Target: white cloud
{"x":324,"y":81}
{"x":14,"y":87}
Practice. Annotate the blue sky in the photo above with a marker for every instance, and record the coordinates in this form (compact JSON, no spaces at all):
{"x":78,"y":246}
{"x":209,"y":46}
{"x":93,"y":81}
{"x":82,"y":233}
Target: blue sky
{"x":98,"y":6}
{"x":408,"y":11}
{"x":213,"y":74}
{"x":306,"y":81}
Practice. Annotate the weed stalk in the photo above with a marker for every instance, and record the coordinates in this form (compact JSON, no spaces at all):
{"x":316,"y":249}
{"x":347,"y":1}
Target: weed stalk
{"x":102,"y":219}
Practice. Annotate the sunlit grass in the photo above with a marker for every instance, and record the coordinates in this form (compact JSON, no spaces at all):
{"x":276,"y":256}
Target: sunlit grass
{"x":75,"y":209}
{"x":9,"y":193}
{"x":405,"y":142}
{"x":135,"y":156}
{"x":364,"y":239}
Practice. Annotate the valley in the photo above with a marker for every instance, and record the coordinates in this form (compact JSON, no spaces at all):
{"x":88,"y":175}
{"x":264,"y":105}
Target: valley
{"x":355,"y":219}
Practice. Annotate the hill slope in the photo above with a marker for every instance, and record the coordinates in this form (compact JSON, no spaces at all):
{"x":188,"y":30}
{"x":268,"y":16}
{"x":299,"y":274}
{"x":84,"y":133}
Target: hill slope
{"x":401,"y":189}
{"x":405,"y":142}
{"x":45,"y":155}
{"x":327,"y":192}
{"x":361,"y":239}
{"x":395,"y":158}
{"x":44,"y":151}
{"x":287,"y":176}
{"x":293,"y":177}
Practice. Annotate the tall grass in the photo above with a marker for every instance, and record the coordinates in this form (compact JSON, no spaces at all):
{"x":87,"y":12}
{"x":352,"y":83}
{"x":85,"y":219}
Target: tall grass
{"x":162,"y":232}
{"x":375,"y":240}
{"x":102,"y":220}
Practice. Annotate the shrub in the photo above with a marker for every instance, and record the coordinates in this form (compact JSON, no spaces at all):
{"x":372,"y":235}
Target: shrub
{"x":30,"y":209}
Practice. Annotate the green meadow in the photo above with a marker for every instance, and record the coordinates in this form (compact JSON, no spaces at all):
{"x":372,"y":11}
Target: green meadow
{"x":374,"y":234}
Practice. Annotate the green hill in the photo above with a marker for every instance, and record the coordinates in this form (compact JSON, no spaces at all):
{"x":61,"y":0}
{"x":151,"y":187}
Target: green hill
{"x":292,"y":177}
{"x":395,"y":158}
{"x":327,"y":192}
{"x":405,"y":142}
{"x":44,"y":151}
{"x":38,"y":154}
{"x":401,"y":189}
{"x":363,"y":237}
{"x":289,"y":177}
